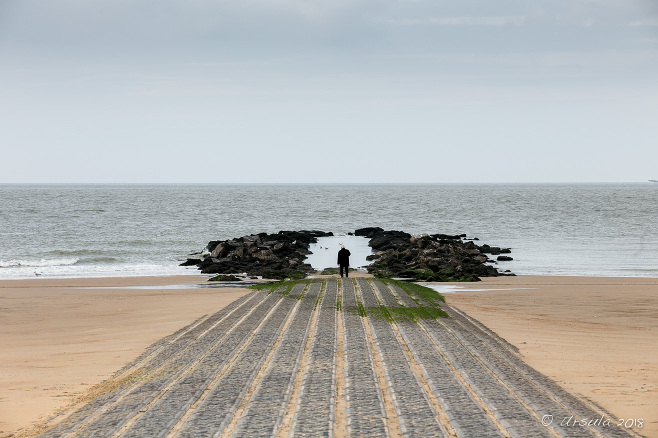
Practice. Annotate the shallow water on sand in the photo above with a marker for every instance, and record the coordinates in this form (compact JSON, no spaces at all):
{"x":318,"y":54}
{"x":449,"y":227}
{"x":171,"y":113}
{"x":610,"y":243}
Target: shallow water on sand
{"x":325,"y":251}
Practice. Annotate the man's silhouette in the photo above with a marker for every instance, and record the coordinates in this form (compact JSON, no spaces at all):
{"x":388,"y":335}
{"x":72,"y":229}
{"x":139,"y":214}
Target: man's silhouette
{"x":344,"y":260}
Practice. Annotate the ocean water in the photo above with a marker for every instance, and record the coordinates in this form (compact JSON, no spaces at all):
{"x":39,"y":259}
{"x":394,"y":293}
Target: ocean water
{"x":117,"y":230}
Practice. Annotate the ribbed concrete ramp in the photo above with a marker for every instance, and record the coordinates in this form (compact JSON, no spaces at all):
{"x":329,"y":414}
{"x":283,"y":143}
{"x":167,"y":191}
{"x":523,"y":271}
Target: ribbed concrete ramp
{"x":332,"y":357}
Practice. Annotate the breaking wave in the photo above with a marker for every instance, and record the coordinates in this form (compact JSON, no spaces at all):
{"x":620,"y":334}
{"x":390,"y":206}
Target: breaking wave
{"x":37,"y":263}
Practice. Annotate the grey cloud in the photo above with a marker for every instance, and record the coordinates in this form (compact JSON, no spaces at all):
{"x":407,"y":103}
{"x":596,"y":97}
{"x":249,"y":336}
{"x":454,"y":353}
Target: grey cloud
{"x":211,"y":30}
{"x":458,"y":21}
{"x":646,"y":22}
{"x":280,"y":79}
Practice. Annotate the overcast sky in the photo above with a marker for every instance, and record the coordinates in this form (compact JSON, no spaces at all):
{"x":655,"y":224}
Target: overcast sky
{"x":215,"y":91}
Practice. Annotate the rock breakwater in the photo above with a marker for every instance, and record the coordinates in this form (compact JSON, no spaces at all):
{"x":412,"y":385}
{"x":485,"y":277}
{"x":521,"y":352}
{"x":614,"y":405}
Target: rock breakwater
{"x":275,"y":256}
{"x":435,"y":257}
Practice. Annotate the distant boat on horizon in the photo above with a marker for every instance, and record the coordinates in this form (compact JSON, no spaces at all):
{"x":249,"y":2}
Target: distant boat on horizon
{"x":653,"y":180}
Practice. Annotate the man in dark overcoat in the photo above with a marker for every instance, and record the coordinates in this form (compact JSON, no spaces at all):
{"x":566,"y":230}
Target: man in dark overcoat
{"x":344,"y":260}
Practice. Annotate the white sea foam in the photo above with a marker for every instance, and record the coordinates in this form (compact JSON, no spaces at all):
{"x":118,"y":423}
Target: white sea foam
{"x":37,"y":263}
{"x":112,"y":270}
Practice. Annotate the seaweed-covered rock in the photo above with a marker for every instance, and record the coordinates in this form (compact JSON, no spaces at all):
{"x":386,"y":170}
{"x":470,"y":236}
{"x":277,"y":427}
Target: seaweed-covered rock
{"x":437,"y":257}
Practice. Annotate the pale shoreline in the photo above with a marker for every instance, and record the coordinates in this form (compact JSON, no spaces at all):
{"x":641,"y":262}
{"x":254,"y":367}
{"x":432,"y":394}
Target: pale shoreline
{"x":596,"y":336}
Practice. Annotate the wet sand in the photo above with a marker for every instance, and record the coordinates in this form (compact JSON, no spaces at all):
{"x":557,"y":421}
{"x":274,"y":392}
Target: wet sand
{"x":595,"y":336}
{"x":60,"y":337}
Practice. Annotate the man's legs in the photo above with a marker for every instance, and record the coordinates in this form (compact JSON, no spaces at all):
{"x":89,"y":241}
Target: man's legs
{"x":346,"y":270}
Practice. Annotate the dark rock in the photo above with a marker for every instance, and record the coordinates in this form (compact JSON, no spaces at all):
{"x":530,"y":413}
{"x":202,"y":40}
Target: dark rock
{"x":368,"y":232}
{"x":212,"y":269}
{"x":386,"y":240}
{"x":220,"y":250}
{"x":211,"y":245}
{"x":439,"y":257}
{"x":305,"y":236}
{"x":447,"y":236}
{"x":279,"y":255}
{"x":494,"y":250}
{"x":281,"y":247}
{"x":222,"y":277}
{"x":191,"y":262}
{"x":207,"y":262}
{"x":504,"y":259}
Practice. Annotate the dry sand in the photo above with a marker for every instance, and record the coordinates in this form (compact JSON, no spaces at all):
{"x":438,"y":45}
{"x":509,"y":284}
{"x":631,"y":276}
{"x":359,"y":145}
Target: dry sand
{"x":60,"y":337}
{"x":597,"y":337}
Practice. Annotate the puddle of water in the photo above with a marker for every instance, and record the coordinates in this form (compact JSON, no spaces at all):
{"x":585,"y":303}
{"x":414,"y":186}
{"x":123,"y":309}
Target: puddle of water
{"x":451,"y":289}
{"x":325,"y":251}
{"x":209,"y":285}
{"x":442,"y":289}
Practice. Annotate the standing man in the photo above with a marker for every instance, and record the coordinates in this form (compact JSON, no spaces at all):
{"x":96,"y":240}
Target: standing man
{"x":344,"y":260}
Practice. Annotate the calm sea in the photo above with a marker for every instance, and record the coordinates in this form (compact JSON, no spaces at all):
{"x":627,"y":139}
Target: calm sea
{"x":109,"y":230}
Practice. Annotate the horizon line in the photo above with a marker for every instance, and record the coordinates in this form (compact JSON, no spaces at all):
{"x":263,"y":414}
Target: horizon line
{"x":312,"y":183}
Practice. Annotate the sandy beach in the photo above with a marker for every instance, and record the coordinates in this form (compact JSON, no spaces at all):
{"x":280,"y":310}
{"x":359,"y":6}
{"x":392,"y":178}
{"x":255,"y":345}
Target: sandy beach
{"x":60,"y":337}
{"x":597,"y":337}
{"x":594,"y":336}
